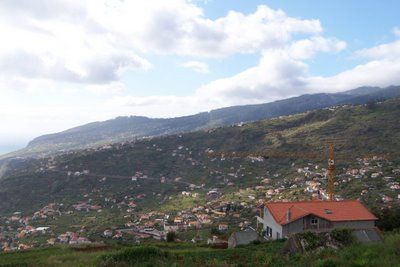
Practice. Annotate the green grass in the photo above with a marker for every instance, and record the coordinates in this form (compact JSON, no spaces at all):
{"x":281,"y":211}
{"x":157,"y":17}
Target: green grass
{"x":185,"y":254}
{"x":55,"y":256}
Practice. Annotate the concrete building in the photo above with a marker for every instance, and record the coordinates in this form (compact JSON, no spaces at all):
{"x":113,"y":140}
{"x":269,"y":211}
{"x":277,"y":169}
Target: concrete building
{"x":280,"y":219}
{"x":244,"y":237}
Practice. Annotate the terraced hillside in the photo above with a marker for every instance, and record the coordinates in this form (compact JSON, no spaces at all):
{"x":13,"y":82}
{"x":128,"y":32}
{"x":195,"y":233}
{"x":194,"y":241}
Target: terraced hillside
{"x":212,"y":176}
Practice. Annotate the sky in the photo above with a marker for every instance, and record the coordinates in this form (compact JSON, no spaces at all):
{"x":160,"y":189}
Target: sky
{"x":64,"y":63}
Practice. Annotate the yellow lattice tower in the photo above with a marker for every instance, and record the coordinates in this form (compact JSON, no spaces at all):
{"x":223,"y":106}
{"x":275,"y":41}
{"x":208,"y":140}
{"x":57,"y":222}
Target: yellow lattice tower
{"x":331,"y":170}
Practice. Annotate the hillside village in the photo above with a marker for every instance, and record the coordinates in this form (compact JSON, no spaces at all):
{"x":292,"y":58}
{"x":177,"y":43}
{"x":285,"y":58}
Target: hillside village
{"x":194,"y":184}
{"x":223,"y":209}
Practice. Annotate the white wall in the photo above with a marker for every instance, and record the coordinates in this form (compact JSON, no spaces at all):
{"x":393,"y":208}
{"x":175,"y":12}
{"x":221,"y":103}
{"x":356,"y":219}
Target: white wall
{"x":269,"y":221}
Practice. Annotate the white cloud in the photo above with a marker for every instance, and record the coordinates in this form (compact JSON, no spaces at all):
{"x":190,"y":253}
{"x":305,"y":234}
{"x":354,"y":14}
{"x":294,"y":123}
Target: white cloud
{"x":382,"y":69}
{"x":114,"y":88}
{"x":396,"y":31}
{"x":387,"y":51}
{"x":374,"y":73}
{"x":183,"y":29}
{"x":307,"y":48}
{"x":94,"y":42}
{"x":280,"y":73}
{"x":91,"y":68}
{"x":196,"y":66}
{"x":276,"y":76}
{"x":58,"y":40}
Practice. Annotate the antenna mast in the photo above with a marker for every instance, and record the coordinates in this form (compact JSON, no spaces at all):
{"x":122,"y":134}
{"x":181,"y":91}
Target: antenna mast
{"x":331,"y":170}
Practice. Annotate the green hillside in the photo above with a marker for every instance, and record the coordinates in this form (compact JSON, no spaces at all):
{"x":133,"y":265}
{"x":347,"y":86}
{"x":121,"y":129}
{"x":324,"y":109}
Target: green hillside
{"x":168,"y":176}
{"x":361,"y":130}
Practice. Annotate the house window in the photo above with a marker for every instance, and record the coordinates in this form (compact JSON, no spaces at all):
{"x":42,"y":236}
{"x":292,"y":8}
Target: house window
{"x":314,"y":221}
{"x":268,"y":231}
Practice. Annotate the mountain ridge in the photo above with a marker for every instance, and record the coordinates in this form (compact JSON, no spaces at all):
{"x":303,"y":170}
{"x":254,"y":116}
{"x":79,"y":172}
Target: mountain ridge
{"x":135,"y":127}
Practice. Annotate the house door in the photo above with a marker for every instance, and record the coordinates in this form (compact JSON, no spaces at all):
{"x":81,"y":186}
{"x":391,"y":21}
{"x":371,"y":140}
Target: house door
{"x":278,"y":235}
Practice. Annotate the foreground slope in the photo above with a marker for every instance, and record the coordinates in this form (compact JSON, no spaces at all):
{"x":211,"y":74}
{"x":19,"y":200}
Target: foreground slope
{"x":178,"y":254}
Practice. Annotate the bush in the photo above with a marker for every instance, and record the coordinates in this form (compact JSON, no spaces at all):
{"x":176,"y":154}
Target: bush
{"x":343,"y":236}
{"x":256,"y":242}
{"x":327,"y":263}
{"x":215,"y":231}
{"x":312,"y":241}
{"x":171,"y":236}
{"x":389,"y":219}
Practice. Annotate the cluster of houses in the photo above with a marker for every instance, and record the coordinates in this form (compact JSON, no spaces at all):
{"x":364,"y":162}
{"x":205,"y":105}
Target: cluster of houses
{"x":17,"y":227}
{"x":71,"y":238}
{"x":224,"y":211}
{"x":85,"y":206}
{"x":20,"y":227}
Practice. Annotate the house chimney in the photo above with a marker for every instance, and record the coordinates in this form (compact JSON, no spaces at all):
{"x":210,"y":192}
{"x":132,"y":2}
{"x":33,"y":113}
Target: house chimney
{"x":288,"y":215}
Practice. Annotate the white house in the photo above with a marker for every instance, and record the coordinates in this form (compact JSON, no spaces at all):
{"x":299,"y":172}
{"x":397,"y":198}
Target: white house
{"x":280,"y":219}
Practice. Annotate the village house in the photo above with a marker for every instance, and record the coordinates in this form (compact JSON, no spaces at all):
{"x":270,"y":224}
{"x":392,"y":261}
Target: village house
{"x":194,"y":224}
{"x":107,"y":233}
{"x":282,"y":219}
{"x":223,"y":227}
{"x":170,"y":228}
{"x":213,"y":194}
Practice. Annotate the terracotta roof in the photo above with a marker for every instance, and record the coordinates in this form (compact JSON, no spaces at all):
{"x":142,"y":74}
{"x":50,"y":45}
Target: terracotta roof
{"x":346,"y":210}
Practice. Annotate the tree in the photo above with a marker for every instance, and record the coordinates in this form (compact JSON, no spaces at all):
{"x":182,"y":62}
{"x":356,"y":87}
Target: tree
{"x":389,"y":219}
{"x":171,"y":236}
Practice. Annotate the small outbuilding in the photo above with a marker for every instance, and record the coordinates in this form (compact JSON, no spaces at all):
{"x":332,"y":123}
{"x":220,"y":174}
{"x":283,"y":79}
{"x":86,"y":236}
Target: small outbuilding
{"x":244,"y":237}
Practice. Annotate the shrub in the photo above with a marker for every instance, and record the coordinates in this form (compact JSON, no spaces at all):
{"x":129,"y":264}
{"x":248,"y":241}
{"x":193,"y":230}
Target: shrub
{"x":343,"y":236}
{"x":171,"y":236}
{"x":327,"y":263}
{"x":312,"y":241}
{"x":215,"y":231}
{"x":389,"y":219}
{"x":256,"y":242}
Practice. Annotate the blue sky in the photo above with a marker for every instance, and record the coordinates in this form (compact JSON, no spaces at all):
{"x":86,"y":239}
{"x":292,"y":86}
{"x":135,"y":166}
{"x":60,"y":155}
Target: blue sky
{"x":68,"y":62}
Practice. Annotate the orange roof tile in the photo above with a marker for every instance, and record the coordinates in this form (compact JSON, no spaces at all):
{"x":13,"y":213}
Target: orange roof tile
{"x":346,"y":210}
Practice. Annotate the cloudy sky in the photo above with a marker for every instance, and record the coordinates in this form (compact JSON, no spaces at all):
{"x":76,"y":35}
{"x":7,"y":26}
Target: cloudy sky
{"x":68,"y":62}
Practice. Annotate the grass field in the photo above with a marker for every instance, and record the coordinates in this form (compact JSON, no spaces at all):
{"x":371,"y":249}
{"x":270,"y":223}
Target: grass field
{"x":184,"y":254}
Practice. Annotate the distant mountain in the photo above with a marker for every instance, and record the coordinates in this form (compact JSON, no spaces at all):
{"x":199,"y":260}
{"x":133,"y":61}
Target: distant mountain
{"x":167,"y":165}
{"x":134,"y":127}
